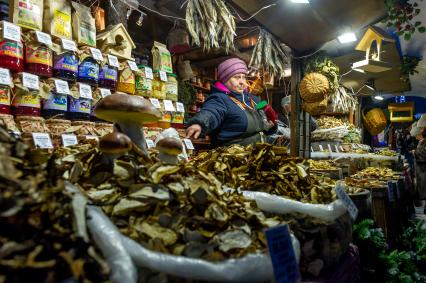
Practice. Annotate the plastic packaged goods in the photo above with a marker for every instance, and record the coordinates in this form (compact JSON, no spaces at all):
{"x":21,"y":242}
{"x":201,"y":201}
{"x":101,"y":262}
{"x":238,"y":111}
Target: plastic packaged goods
{"x":27,"y":13}
{"x":25,"y":102}
{"x":166,"y":120}
{"x":108,"y":76}
{"x":38,"y":59}
{"x":79,"y":108}
{"x":172,"y":88}
{"x":83,"y":25}
{"x":126,"y":81}
{"x":12,"y":55}
{"x":88,"y":71}
{"x":65,"y":64}
{"x":177,"y":120}
{"x":55,"y":105}
{"x":143,"y":84}
{"x":57,"y":18}
{"x":4,"y":99}
{"x":158,"y":86}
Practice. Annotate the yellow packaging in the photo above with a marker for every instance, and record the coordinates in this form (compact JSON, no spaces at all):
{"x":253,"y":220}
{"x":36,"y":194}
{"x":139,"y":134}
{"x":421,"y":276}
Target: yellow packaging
{"x":57,"y":18}
{"x":162,"y":60}
{"x":126,"y":81}
{"x":27,"y":13}
{"x":83,"y":25}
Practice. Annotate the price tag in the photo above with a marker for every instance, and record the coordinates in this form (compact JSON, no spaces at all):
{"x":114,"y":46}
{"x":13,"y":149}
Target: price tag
{"x":30,"y":81}
{"x":391,"y":193}
{"x":350,"y":206}
{"x":283,"y":258}
{"x":68,"y":44}
{"x":132,"y":65}
{"x":44,"y":38}
{"x":104,"y":92}
{"x":321,"y":148}
{"x":188,"y":144}
{"x":148,"y":73}
{"x":85,"y":91}
{"x":163,"y":76}
{"x":90,"y":137}
{"x":113,"y":61}
{"x":69,"y":140}
{"x":5,"y":77}
{"x":11,"y":31}
{"x":168,"y":105}
{"x":180,"y":107}
{"x":42,"y":140}
{"x":150,"y":143}
{"x":329,"y":147}
{"x":97,"y":54}
{"x":62,"y":87}
{"x":155,"y":102}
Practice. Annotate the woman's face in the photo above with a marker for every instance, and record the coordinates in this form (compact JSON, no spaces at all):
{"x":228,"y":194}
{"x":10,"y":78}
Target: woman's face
{"x":237,"y":83}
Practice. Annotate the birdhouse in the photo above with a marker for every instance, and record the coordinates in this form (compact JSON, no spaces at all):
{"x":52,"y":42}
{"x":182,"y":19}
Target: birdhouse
{"x":115,"y":40}
{"x":371,"y":43}
{"x":401,"y":112}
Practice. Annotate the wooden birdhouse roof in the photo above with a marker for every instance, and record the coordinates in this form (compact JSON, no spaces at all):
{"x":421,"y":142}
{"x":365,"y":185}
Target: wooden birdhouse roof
{"x":373,"y":33}
{"x":114,"y":28}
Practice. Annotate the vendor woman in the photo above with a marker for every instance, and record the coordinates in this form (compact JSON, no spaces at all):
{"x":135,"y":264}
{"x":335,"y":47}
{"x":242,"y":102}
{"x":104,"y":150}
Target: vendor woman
{"x":229,"y":114}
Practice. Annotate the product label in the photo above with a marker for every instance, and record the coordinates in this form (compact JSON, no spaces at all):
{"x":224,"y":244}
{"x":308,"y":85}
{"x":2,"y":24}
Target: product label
{"x":163,"y":76}
{"x":96,"y":53}
{"x":148,"y":73}
{"x":61,"y":24}
{"x":44,"y":38}
{"x":166,"y":60}
{"x":11,"y":31}
{"x":177,"y":118}
{"x":127,"y":77}
{"x":4,"y":96}
{"x":113,"y":61}
{"x":85,"y":91}
{"x":88,"y":70}
{"x":56,"y":102}
{"x":132,"y":65}
{"x":66,"y":62}
{"x":143,"y":84}
{"x":81,"y":105}
{"x":30,"y":81}
{"x":155,"y":102}
{"x":29,"y":15}
{"x":104,"y":92}
{"x":167,"y":117}
{"x":88,"y":34}
{"x":172,"y":91}
{"x":68,"y":44}
{"x":69,"y":140}
{"x":62,"y":87}
{"x":108,"y":73}
{"x":180,"y":107}
{"x":38,"y":55}
{"x":28,"y":100}
{"x":188,"y":144}
{"x":168,"y":106}
{"x":12,"y":48}
{"x":42,"y":140}
{"x":5,"y":77}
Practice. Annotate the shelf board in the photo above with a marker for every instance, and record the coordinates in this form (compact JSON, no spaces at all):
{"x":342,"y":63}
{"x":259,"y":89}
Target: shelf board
{"x":200,"y":88}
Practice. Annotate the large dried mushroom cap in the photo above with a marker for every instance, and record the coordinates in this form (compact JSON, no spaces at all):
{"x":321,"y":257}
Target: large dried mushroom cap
{"x":170,"y":146}
{"x":115,"y":143}
{"x":120,"y":107}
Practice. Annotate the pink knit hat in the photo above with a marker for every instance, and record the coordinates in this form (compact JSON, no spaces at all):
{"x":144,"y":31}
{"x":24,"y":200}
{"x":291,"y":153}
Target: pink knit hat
{"x":231,"y":67}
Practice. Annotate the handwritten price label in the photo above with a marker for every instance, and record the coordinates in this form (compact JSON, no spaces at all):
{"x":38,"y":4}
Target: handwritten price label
{"x":42,"y":140}
{"x":11,"y":31}
{"x":62,"y":87}
{"x":69,"y":140}
{"x":5,"y":77}
{"x":44,"y":38}
{"x":188,"y":144}
{"x":30,"y":81}
{"x":68,"y":45}
{"x":97,"y":54}
{"x":85,"y":91}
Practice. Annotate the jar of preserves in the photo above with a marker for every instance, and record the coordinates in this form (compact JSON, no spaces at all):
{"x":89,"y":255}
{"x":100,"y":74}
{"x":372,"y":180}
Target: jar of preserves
{"x":4,"y":99}
{"x":38,"y":59}
{"x":177,"y":120}
{"x":126,"y":81}
{"x":12,"y":55}
{"x":79,"y":108}
{"x":166,"y":119}
{"x":55,"y":105}
{"x":143,"y":84}
{"x":88,"y":71}
{"x":108,"y":76}
{"x":172,"y":87}
{"x":65,"y":64}
{"x":158,"y":86}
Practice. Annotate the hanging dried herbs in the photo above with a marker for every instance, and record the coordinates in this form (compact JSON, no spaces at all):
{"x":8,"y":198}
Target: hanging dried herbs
{"x":322,"y":64}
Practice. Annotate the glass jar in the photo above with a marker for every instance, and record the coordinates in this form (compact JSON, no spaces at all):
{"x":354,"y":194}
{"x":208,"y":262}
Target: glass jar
{"x":4,"y":99}
{"x":38,"y":60}
{"x":158,"y":86}
{"x":88,"y":71}
{"x":126,"y":81}
{"x":26,"y":104}
{"x":172,"y":88}
{"x":12,"y":55}
{"x":166,"y":119}
{"x":55,"y":105}
{"x":143,"y":84}
{"x":177,"y":120}
{"x":79,"y":108}
{"x":108,"y":77}
{"x":65,"y":66}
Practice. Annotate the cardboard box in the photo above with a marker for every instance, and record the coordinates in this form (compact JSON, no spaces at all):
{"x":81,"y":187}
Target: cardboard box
{"x":83,"y":25}
{"x":27,"y":13}
{"x":57,"y":18}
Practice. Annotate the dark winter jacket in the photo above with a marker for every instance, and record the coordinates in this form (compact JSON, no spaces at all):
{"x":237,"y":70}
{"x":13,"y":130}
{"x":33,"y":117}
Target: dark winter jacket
{"x":220,"y":117}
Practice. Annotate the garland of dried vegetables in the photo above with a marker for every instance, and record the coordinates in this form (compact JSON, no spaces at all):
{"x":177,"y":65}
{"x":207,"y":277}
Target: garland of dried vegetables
{"x":210,"y":24}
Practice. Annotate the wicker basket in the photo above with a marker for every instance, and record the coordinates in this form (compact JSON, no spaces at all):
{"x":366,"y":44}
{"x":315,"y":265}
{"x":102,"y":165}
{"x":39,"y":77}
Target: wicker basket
{"x":84,"y":128}
{"x":375,"y":121}
{"x":103,"y":129}
{"x":30,"y":124}
{"x":58,"y":126}
{"x":8,"y":122}
{"x":316,"y":108}
{"x":314,"y":87}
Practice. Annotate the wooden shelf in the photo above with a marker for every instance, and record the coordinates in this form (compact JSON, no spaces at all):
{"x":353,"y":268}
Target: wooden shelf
{"x":201,"y":88}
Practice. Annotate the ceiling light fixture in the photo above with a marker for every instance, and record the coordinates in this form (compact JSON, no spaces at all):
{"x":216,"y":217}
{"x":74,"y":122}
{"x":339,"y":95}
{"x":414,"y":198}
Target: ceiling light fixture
{"x":378,"y":97}
{"x":300,"y":1}
{"x":347,"y":37}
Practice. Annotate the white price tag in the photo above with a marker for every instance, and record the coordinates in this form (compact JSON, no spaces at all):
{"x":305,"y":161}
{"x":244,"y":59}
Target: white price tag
{"x":69,"y":140}
{"x":163,"y":76}
{"x":150,"y":143}
{"x":350,"y":206}
{"x":5,"y":77}
{"x":11,"y":31}
{"x":188,"y":144}
{"x":44,"y":38}
{"x":30,"y":81}
{"x":85,"y":91}
{"x":113,"y":61}
{"x":155,"y":102}
{"x":96,"y":53}
{"x":62,"y":87}
{"x":180,"y":107}
{"x":168,"y":105}
{"x":329,"y":147}
{"x":148,"y":73}
{"x":68,"y":44}
{"x":321,"y":148}
{"x":104,"y":92}
{"x":90,"y":137}
{"x":132,"y":65}
{"x":42,"y":140}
